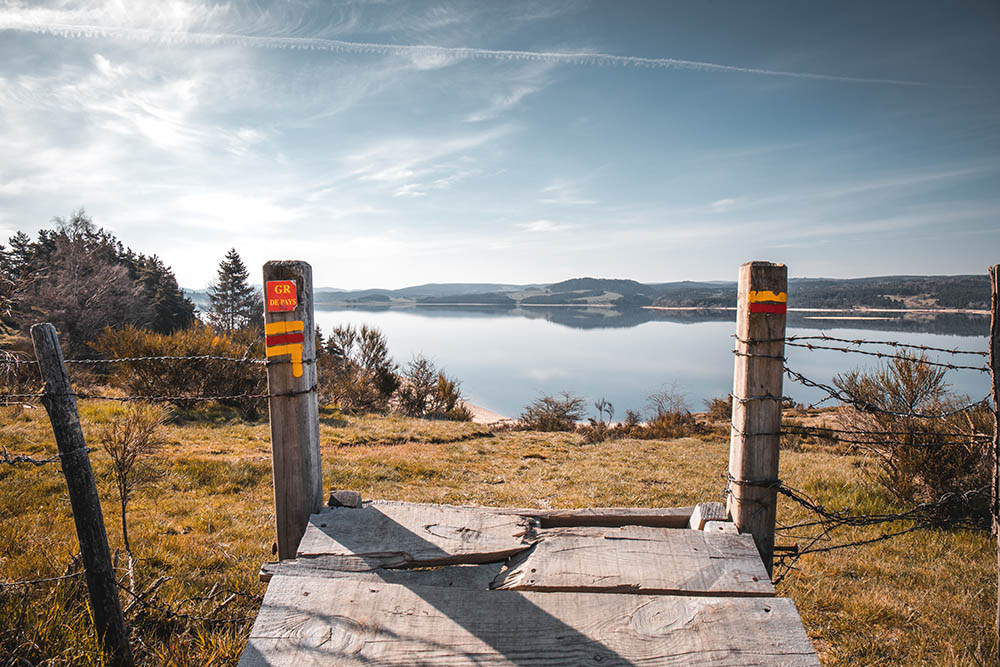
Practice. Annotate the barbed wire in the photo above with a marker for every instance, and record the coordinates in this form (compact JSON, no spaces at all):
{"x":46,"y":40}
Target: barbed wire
{"x":141,"y":600}
{"x":884,"y":355}
{"x":17,"y":459}
{"x":863,"y":341}
{"x":197,"y":357}
{"x":44,"y":580}
{"x":924,"y":515}
{"x":866,"y":406}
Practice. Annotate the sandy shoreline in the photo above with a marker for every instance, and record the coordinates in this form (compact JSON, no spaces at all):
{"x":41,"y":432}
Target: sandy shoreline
{"x":481,"y":415}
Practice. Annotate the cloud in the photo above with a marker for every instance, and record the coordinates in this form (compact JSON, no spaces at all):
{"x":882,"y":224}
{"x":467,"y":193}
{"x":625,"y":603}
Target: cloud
{"x":722,"y":205}
{"x":544,"y":226}
{"x":563,"y":193}
{"x":55,"y":23}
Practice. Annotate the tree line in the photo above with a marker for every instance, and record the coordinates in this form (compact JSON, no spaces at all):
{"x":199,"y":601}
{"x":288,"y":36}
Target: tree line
{"x":84,"y":280}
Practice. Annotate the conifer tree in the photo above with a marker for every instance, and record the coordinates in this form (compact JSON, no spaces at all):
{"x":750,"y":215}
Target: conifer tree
{"x":234,"y":303}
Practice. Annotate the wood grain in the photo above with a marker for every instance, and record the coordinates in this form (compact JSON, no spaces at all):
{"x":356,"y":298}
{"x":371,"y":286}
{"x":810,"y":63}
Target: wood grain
{"x":639,"y":559}
{"x":704,"y":512}
{"x":406,"y":535}
{"x":294,"y":417}
{"x":757,"y":379}
{"x":471,"y":577}
{"x":314,"y":621}
{"x":60,"y":403}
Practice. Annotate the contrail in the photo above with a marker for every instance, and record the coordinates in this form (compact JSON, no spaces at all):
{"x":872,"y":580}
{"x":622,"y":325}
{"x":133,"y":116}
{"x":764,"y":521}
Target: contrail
{"x":341,"y":46}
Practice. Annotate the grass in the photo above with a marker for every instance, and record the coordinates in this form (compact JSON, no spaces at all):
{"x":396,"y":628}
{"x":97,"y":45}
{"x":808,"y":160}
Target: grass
{"x":923,"y":598}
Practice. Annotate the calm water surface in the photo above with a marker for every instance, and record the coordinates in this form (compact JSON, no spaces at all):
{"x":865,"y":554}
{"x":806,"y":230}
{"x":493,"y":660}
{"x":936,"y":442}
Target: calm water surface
{"x":504,"y":361}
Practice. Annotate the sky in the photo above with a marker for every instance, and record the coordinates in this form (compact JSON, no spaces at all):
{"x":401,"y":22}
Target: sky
{"x":393,"y":143}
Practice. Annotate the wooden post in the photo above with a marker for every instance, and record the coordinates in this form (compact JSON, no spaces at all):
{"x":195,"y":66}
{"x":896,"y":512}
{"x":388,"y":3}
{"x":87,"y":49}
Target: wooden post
{"x":995,"y":376}
{"x":754,"y":442}
{"x":291,"y":381}
{"x":60,"y":403}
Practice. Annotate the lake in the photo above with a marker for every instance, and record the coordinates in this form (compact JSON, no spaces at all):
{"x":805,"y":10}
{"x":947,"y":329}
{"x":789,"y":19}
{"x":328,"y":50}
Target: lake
{"x":505,"y":358}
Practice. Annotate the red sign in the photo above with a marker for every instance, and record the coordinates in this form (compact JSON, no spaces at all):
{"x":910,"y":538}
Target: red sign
{"x":281,"y":296}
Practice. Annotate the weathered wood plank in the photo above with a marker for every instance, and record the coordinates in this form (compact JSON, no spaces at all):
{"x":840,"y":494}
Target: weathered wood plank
{"x":639,"y":559}
{"x":721,"y":527}
{"x":406,"y":535}
{"x":612,"y":517}
{"x":308,"y":621}
{"x":705,"y":512}
{"x":472,"y":577}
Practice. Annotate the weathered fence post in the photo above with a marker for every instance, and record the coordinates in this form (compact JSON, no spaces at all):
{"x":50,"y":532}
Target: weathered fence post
{"x":291,"y":382}
{"x":60,"y":403}
{"x":759,"y":366}
{"x":995,"y":376}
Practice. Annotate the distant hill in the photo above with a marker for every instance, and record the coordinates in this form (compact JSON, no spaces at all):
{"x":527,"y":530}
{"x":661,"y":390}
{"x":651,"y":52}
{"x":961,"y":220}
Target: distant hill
{"x":910,"y":292}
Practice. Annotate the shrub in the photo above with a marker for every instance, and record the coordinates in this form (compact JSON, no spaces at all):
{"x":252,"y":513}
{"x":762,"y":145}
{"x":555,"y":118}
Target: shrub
{"x":187,"y":378}
{"x":550,"y":413}
{"x":720,"y":408}
{"x":599,"y":430}
{"x":919,"y":460}
{"x":129,"y":438}
{"x":425,"y":391}
{"x":356,"y":374}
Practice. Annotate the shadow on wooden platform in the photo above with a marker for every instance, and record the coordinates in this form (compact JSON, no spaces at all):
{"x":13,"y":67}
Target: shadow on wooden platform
{"x":401,"y":583}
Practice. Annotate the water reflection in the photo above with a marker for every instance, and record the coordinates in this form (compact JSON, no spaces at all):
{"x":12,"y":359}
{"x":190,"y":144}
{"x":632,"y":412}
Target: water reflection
{"x":505,"y":357}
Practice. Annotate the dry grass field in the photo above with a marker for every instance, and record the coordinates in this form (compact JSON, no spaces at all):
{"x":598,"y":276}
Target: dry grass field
{"x":206,"y":523}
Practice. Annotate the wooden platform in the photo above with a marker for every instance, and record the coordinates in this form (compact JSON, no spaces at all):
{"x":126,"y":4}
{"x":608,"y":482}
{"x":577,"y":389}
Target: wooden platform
{"x":405,"y":584}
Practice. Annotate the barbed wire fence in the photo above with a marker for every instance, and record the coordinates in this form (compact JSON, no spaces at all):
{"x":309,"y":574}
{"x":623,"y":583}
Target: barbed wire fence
{"x":21,"y":387}
{"x":882,"y":428}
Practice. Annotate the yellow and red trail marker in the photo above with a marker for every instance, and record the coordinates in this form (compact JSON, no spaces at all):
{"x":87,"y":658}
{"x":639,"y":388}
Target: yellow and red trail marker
{"x":766,"y":301}
{"x":286,"y":338}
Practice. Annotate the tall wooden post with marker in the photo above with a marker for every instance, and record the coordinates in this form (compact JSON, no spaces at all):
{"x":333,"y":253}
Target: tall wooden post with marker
{"x":759,"y":366}
{"x":290,"y":340}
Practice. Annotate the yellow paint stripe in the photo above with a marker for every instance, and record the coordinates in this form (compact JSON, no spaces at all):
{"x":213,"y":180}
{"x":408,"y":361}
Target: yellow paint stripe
{"x":756,"y":296}
{"x":290,"y":326}
{"x":294,"y":349}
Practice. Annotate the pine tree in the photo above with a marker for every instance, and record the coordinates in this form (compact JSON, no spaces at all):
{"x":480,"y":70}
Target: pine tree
{"x":234,"y":303}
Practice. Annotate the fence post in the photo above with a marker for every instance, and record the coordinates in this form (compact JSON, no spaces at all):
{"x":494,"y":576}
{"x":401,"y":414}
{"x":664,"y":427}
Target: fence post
{"x":290,"y":341}
{"x":60,"y":403}
{"x":756,"y":425}
{"x":995,"y":376}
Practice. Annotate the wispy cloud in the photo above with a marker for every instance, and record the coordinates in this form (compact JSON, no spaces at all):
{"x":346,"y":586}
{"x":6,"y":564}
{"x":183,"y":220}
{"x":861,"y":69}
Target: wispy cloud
{"x":564,"y":193}
{"x":28,"y":22}
{"x":544,"y":226}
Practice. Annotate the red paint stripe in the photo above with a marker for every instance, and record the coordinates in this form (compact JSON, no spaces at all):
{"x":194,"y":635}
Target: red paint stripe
{"x":767,"y":308}
{"x":281,"y":339}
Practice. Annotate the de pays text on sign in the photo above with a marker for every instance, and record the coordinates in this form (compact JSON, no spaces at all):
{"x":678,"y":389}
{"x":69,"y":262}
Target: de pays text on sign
{"x":281,"y":296}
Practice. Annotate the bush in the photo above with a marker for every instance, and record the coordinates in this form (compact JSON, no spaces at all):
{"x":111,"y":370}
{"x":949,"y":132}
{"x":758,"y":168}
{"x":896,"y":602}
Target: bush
{"x":599,"y":430}
{"x":919,"y":460}
{"x":425,"y":391}
{"x":720,"y":408}
{"x":356,"y":374}
{"x":549,"y":413}
{"x":194,"y":378}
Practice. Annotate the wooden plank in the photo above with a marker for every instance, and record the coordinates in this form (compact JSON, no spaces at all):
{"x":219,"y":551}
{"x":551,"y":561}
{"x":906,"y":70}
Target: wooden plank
{"x":612,"y":517}
{"x":705,"y":512}
{"x":406,"y":535}
{"x":308,"y":621}
{"x":472,"y":577}
{"x":640,"y":559}
{"x":721,"y":527}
